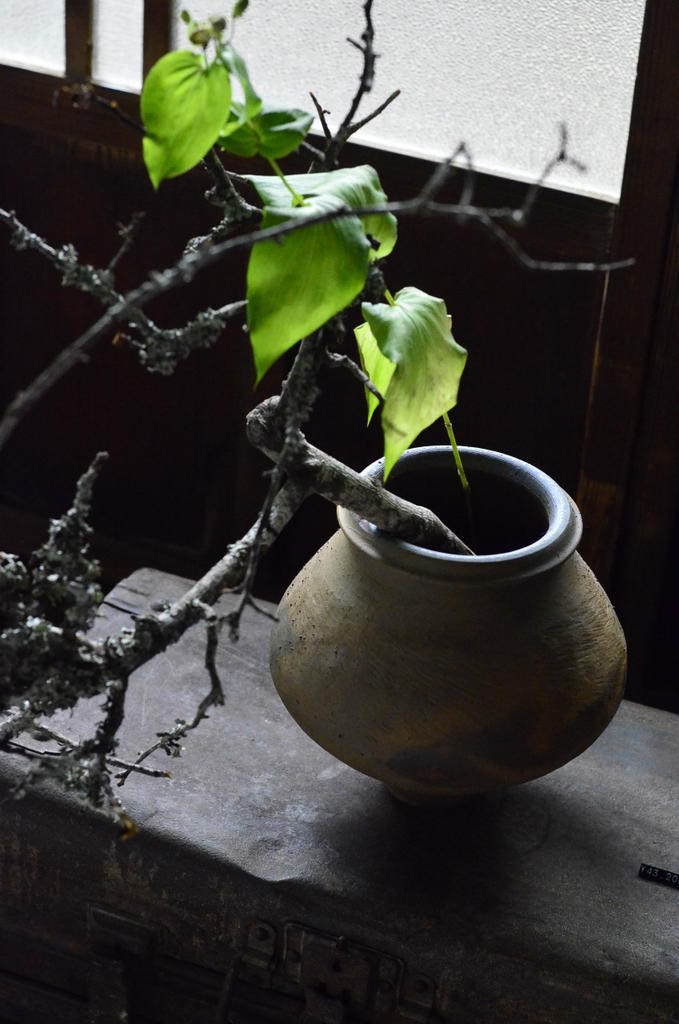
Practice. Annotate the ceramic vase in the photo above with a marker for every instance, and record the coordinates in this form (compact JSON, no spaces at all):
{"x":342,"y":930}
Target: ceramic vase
{"x":447,"y":675}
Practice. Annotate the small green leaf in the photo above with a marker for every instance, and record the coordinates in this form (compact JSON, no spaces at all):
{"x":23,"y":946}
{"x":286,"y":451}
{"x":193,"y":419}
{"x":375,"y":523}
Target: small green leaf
{"x":237,"y":66}
{"x":239,"y":8}
{"x":295,"y":284}
{"x":281,"y":131}
{"x":378,"y":367}
{"x":355,"y":186}
{"x":183,"y":107}
{"x":238,"y":136}
{"x":273,"y":133}
{"x":414,"y":334}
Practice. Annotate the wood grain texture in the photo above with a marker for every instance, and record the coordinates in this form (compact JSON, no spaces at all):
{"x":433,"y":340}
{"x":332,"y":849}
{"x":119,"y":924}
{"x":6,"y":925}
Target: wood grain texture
{"x":157,"y":38}
{"x":645,"y":576}
{"x":78,"y":29}
{"x":181,"y":475}
{"x":624,"y":343}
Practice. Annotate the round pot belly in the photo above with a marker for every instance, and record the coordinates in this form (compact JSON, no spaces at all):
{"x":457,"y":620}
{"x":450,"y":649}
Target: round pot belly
{"x":446,"y":676}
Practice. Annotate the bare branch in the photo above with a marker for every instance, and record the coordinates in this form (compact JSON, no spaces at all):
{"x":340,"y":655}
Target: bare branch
{"x":128,"y":306}
{"x":170,"y":741}
{"x":128,"y":234}
{"x":365,"y":84}
{"x":82,"y":95}
{"x":45,"y":733}
{"x":337,"y":360}
{"x":343,"y":486}
{"x":155,"y":632}
{"x":321,"y":117}
{"x":357,"y":125}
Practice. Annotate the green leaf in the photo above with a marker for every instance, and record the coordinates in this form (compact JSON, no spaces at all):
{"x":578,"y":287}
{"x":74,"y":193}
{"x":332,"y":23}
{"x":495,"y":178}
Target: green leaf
{"x":238,"y":135}
{"x":273,"y":133}
{"x":378,"y":367}
{"x":237,"y":66}
{"x":414,"y":334}
{"x":355,"y":186}
{"x":239,"y":8}
{"x":183,"y":107}
{"x":281,"y":131}
{"x":295,"y":284}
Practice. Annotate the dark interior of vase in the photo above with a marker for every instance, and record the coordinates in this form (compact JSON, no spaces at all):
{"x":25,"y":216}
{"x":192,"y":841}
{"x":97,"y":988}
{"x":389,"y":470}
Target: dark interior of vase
{"x":505,"y":515}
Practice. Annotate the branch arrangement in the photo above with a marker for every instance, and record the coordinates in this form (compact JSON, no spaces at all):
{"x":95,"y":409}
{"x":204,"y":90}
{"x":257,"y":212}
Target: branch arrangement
{"x":47,"y":661}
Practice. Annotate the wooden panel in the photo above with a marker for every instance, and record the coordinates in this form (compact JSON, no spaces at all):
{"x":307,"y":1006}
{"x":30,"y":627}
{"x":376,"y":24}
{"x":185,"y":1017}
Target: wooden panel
{"x":623,"y":346}
{"x":645,"y":580}
{"x":53,"y":107}
{"x":181,"y":482}
{"x":78,"y":29}
{"x":157,"y":31}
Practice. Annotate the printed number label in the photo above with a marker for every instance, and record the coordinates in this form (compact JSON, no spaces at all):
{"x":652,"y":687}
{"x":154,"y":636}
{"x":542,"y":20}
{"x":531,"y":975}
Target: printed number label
{"x":662,"y":875}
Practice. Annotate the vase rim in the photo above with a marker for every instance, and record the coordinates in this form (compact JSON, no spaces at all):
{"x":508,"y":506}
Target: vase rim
{"x":554,"y":546}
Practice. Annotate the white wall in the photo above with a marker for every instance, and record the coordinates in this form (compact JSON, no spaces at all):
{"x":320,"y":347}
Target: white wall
{"x":117,"y":36}
{"x":499,"y":74}
{"x":31,"y":34}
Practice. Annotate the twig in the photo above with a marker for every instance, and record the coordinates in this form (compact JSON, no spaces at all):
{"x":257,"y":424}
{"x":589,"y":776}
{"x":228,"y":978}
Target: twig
{"x":306,"y":147}
{"x":128,"y":233}
{"x":82,"y":95}
{"x":442,"y":173}
{"x":234,"y":617}
{"x":113,"y":107}
{"x":153,"y":633}
{"x":160,"y":349}
{"x":169,"y":741}
{"x":365,"y":84}
{"x":357,"y":125}
{"x":337,"y":360}
{"x":225,"y":195}
{"x":190,"y":264}
{"x":291,"y":410}
{"x":154,"y":773}
{"x":321,"y":117}
{"x":14,"y":747}
{"x":562,"y":156}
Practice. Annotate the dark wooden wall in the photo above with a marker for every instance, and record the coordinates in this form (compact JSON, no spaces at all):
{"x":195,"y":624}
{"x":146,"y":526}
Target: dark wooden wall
{"x":179,"y":485}
{"x":181,"y":482}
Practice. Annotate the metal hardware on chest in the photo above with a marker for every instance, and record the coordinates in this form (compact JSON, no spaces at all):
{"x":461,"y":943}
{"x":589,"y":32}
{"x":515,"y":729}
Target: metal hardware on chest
{"x":259,"y":958}
{"x":340,"y":980}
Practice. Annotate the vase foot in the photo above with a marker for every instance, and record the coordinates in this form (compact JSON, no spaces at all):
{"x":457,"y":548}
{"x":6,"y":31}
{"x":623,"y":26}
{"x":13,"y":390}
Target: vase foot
{"x":432,"y":800}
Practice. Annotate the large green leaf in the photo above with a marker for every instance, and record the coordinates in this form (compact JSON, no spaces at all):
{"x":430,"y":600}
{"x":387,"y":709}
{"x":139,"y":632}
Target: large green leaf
{"x":183,"y":107}
{"x":413,"y":334}
{"x":273,"y":133}
{"x":379,"y":369}
{"x":356,"y":187}
{"x":295,"y":284}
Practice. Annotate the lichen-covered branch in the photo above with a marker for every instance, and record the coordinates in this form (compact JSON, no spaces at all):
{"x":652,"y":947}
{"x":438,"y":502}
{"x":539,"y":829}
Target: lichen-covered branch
{"x":343,"y":486}
{"x":160,"y":349}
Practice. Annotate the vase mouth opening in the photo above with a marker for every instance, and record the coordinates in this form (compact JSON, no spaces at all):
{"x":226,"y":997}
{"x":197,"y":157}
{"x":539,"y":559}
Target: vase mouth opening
{"x":522,"y":521}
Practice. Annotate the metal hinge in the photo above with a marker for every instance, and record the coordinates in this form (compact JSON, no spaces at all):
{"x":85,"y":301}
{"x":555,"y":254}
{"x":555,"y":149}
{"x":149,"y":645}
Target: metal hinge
{"x":339,"y":980}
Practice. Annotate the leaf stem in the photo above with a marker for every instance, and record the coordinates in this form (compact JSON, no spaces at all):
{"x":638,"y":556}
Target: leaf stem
{"x":389,"y":297}
{"x":466,"y":489}
{"x":456,"y":453}
{"x":297,"y":200}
